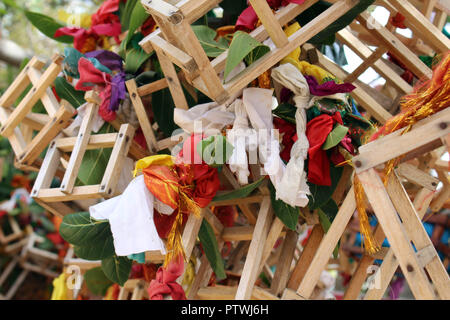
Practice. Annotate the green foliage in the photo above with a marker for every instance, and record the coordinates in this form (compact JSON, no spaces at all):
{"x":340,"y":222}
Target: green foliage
{"x":335,"y":136}
{"x":134,"y":59}
{"x":215,"y":150}
{"x":286,"y":112}
{"x":320,"y":195}
{"x":286,"y":213}
{"x":206,"y":37}
{"x":211,"y":248}
{"x":243,"y":46}
{"x":327,"y":213}
{"x":117,"y":269}
{"x":239,"y":193}
{"x":47,"y":26}
{"x":96,"y":281}
{"x":95,"y":161}
{"x":67,"y":92}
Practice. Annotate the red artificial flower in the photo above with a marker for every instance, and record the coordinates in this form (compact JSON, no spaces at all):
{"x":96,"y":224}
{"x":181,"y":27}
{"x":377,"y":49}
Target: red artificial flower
{"x":103,"y":23}
{"x":207,"y":183}
{"x":188,"y":153}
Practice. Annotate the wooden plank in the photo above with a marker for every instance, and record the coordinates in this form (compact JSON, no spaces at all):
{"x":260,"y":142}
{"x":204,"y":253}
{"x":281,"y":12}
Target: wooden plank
{"x":30,"y":99}
{"x":78,"y":193}
{"x":364,"y":99}
{"x":79,"y":149}
{"x":255,"y":251}
{"x":98,"y":141}
{"x":265,"y":15}
{"x":306,"y":257}
{"x":195,"y":50}
{"x":115,"y":163}
{"x":396,"y":234}
{"x":366,"y":64}
{"x":45,"y":136}
{"x":177,"y":56}
{"x":141,"y":115}
{"x":274,"y":233}
{"x":327,"y":245}
{"x":48,"y":169}
{"x":370,"y":157}
{"x":239,"y":233}
{"x":251,"y":199}
{"x":163,"y":9}
{"x":346,"y":37}
{"x":422,"y":26}
{"x":172,"y":80}
{"x":48,"y":99}
{"x":282,"y":271}
{"x":295,"y":40}
{"x":416,"y":176}
{"x":395,"y":46}
{"x":19,"y":85}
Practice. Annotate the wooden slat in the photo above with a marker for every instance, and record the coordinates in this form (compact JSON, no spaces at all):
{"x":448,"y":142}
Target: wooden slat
{"x":31,"y":98}
{"x":177,"y":56}
{"x":79,"y":149}
{"x":78,"y":193}
{"x":327,"y":245}
{"x":141,"y":115}
{"x":98,"y":141}
{"x":422,"y":26}
{"x":395,"y":46}
{"x":397,"y":145}
{"x":265,"y":15}
{"x":396,"y":234}
{"x":115,"y":163}
{"x":255,"y":251}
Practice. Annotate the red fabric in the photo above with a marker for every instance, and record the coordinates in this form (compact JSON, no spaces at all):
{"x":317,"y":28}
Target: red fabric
{"x":165,"y":282}
{"x":163,"y":223}
{"x":90,"y":76}
{"x":398,"y":21}
{"x":55,"y":238}
{"x":317,"y":131}
{"x":247,"y":19}
{"x":103,"y":110}
{"x":148,"y":27}
{"x":289,"y":132}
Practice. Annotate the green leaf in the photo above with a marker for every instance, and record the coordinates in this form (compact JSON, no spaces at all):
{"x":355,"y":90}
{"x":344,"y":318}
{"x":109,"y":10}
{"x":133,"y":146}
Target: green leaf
{"x":215,"y":150}
{"x":327,"y":213}
{"x":136,"y":19}
{"x":239,"y":193}
{"x":211,"y":248}
{"x":97,"y":250}
{"x":286,"y":213}
{"x":117,"y":269}
{"x":134,"y":59}
{"x":206,"y":37}
{"x":125,"y":14}
{"x":95,"y":161}
{"x":321,"y":194}
{"x":47,"y":26}
{"x":242,"y":46}
{"x":81,"y":230}
{"x":286,"y":112}
{"x":67,"y":92}
{"x":335,"y":136}
{"x":96,"y":281}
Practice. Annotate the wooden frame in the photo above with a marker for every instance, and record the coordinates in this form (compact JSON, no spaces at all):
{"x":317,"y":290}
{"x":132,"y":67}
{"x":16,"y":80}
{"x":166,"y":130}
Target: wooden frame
{"x":16,"y":234}
{"x":175,"y":43}
{"x":120,"y":142}
{"x":386,"y":203}
{"x":15,"y":286}
{"x":38,"y":260}
{"x":136,"y":93}
{"x":19,"y":123}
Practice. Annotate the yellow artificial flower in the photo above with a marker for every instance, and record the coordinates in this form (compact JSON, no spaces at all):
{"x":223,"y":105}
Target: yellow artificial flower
{"x":59,"y":288}
{"x":80,"y":20}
